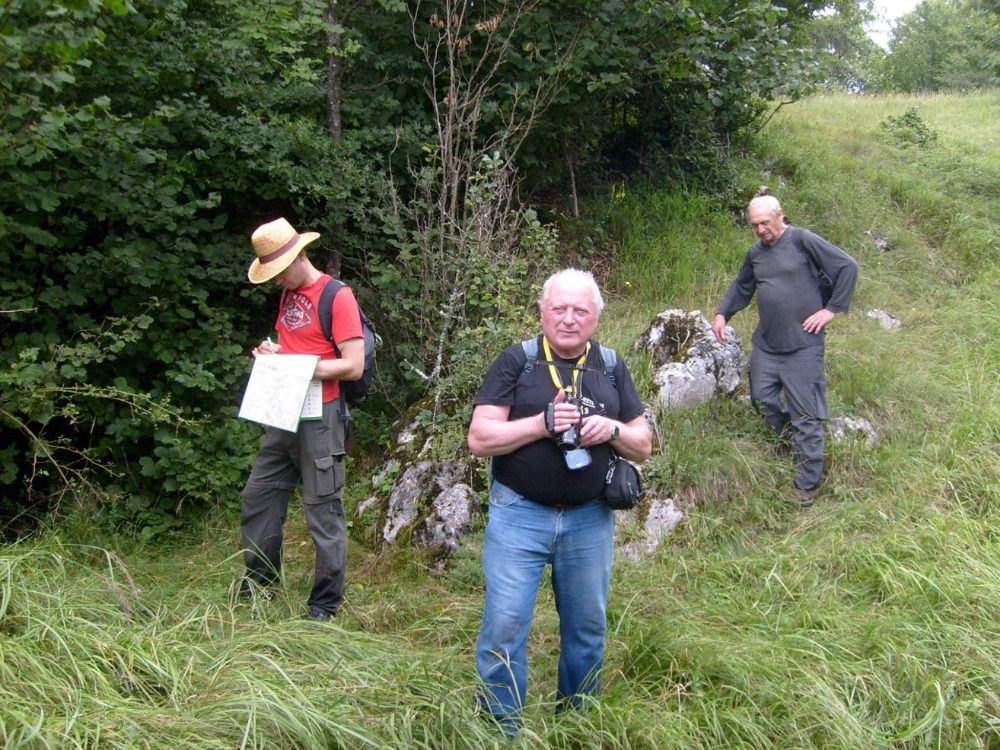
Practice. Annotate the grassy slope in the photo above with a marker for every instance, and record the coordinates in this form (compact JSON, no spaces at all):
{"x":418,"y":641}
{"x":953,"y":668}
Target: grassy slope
{"x":868,"y":621}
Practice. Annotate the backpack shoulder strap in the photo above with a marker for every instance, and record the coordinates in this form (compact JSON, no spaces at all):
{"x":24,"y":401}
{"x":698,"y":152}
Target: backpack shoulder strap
{"x":610,"y":358}
{"x":326,"y":306}
{"x":530,"y":347}
{"x":795,"y":234}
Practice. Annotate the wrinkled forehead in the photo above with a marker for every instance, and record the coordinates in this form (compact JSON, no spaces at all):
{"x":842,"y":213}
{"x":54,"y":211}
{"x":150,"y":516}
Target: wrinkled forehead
{"x":761,"y":216}
{"x":579,"y":296}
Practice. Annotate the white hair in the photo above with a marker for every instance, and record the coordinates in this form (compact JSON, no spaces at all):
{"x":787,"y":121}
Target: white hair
{"x":572,"y":276}
{"x":767,"y":202}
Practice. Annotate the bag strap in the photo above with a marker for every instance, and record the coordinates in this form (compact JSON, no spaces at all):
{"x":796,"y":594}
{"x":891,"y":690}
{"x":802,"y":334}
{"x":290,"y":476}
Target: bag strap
{"x":796,"y":237}
{"x":530,"y":347}
{"x":326,"y":308}
{"x":608,"y":356}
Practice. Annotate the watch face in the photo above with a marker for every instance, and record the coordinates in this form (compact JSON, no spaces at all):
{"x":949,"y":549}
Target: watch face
{"x":615,"y":432}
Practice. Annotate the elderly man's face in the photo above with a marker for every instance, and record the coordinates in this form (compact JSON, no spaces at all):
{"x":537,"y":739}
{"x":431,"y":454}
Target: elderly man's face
{"x":569,"y":318}
{"x":766,"y":226}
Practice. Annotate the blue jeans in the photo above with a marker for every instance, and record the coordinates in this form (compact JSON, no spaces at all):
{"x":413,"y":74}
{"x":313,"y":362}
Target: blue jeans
{"x":522,"y":537}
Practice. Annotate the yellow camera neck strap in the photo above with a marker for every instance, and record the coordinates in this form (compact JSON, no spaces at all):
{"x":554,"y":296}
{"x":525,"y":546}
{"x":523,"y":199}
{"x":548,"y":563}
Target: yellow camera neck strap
{"x":554,"y":373}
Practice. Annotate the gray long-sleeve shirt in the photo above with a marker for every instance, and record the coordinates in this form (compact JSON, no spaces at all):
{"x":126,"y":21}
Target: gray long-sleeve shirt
{"x":788,"y":291}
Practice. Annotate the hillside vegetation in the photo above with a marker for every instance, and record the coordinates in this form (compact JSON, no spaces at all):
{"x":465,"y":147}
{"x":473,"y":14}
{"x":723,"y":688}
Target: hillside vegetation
{"x":867,"y":621}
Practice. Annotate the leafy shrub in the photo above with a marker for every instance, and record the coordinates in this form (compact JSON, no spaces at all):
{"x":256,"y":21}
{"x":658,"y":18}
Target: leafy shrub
{"x":908,"y":130}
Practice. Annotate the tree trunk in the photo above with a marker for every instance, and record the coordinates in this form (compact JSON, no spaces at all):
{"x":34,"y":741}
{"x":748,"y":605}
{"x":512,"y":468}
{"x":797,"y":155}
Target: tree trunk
{"x":333,"y":93}
{"x":570,"y":162}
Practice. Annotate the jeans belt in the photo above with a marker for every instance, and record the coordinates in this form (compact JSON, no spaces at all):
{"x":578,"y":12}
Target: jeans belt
{"x":557,"y":506}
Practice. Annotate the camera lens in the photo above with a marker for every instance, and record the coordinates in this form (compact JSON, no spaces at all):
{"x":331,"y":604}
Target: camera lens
{"x":569,"y":439}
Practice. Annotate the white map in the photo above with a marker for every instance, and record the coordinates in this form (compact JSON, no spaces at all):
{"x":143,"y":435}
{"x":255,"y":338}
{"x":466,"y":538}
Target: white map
{"x":277,"y":389}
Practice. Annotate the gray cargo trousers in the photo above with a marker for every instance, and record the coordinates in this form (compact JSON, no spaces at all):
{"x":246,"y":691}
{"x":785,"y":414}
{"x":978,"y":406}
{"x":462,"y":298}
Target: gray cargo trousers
{"x":313,"y":455}
{"x":790,"y":389}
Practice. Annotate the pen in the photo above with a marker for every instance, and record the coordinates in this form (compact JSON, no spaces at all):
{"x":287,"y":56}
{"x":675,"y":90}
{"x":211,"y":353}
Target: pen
{"x":270,"y":344}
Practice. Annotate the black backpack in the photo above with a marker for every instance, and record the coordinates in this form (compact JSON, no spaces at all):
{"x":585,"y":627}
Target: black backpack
{"x":353,"y":391}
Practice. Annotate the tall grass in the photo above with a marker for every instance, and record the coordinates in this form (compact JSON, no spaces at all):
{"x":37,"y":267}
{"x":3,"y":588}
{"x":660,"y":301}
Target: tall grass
{"x":867,"y":621}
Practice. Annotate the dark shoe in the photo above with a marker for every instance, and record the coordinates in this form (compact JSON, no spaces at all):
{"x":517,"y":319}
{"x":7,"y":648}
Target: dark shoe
{"x":319,"y":615}
{"x":250,"y":590}
{"x":806,"y":497}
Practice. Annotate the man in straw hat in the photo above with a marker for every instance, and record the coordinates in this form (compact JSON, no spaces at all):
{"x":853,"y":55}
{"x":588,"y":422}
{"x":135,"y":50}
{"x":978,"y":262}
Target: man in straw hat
{"x":314,"y":454}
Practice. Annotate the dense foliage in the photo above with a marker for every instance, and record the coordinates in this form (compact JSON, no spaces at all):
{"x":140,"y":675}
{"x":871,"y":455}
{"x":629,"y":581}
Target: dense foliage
{"x":867,"y":622}
{"x":945,"y":45}
{"x":141,"y":141}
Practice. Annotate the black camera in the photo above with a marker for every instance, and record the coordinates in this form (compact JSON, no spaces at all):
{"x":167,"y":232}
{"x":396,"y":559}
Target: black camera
{"x":569,"y":440}
{"x":576,"y":457}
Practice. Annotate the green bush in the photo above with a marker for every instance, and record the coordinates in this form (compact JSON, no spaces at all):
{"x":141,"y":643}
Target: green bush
{"x":908,"y":130}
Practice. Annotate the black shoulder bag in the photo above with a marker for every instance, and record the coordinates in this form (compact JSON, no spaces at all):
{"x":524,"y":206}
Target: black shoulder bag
{"x":623,"y":487}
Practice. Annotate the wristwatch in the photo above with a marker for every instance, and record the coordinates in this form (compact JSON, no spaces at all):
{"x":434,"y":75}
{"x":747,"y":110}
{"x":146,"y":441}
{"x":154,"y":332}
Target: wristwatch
{"x":615,"y":432}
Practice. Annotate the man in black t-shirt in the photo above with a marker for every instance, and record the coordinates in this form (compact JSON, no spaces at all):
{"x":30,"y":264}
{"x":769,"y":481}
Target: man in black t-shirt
{"x":550,"y":427}
{"x":787,"y":366}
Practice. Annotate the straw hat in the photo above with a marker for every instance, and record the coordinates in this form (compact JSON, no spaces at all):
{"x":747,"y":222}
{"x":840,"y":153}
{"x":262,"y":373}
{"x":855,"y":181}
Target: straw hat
{"x":277,"y":244}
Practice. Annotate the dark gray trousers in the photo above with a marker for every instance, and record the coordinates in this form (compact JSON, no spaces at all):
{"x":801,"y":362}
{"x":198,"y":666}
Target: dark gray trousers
{"x":313,"y":455}
{"x":790,"y":390}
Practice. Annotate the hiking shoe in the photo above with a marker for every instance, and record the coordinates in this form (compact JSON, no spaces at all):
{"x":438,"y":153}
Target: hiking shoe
{"x":319,"y":615}
{"x":806,"y":497}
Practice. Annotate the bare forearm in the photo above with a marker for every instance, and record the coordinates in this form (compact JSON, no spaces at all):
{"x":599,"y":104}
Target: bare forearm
{"x":349,"y":366}
{"x":337,"y":369}
{"x":491,"y":436}
{"x":634,"y":440}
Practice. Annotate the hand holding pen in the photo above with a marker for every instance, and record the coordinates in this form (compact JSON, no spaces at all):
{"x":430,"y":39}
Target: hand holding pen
{"x":266,"y":347}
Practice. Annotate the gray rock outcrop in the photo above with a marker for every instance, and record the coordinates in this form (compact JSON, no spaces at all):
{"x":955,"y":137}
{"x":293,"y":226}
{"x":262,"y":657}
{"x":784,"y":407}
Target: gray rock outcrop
{"x":418,"y":499}
{"x":691,"y":366}
{"x":658,"y":518}
{"x":888,"y":321}
{"x":842,"y":428}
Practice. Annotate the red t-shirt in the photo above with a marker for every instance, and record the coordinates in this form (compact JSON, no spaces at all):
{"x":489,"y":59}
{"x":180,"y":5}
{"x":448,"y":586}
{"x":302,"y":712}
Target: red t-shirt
{"x":300,"y":332}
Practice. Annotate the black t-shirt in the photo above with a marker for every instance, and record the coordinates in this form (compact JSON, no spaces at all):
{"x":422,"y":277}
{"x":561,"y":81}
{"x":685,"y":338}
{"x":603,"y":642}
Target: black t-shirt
{"x":538,"y":470}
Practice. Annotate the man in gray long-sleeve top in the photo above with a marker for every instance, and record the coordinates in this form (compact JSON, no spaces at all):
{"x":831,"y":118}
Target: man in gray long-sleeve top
{"x":787,"y":369}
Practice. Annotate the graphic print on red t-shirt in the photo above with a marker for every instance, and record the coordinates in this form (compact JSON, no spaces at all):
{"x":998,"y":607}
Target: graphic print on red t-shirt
{"x":300,"y":332}
{"x":298,"y":311}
